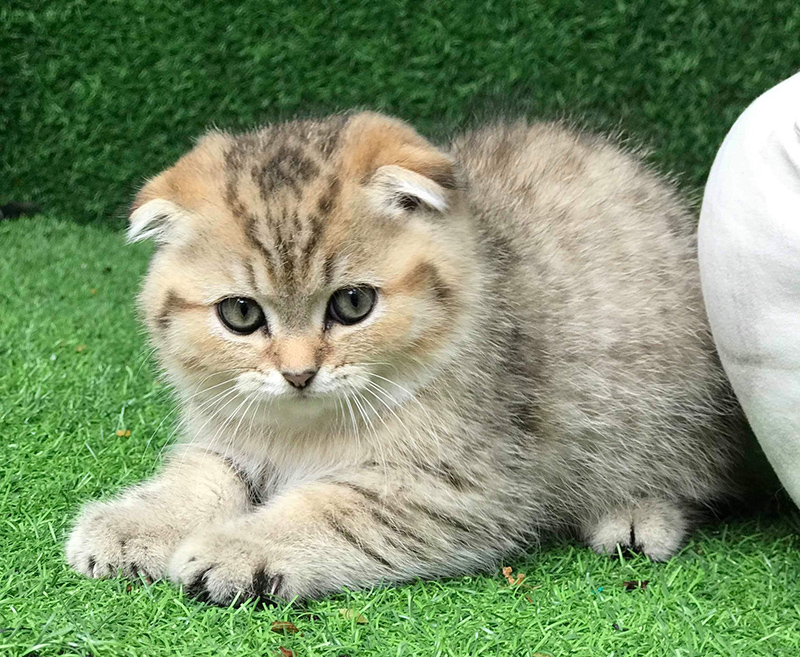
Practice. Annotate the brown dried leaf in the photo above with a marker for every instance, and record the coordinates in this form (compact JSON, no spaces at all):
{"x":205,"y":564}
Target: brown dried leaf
{"x":80,"y":348}
{"x":509,"y":575}
{"x":635,"y":584}
{"x":352,"y":614}
{"x":123,"y":433}
{"x":93,"y":291}
{"x":284,"y":627}
{"x":285,"y":652}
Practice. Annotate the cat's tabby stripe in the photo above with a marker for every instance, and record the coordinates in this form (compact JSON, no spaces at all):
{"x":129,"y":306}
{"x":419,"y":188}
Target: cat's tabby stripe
{"x":377,"y":506}
{"x":254,"y":492}
{"x":351,"y":538}
{"x":173,"y":303}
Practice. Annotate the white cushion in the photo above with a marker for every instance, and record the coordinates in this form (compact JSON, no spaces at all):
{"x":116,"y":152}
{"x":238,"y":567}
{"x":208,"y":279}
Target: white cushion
{"x":749,"y":249}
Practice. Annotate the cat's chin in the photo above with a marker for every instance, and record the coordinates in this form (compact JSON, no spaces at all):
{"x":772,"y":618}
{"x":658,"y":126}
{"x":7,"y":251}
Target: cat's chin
{"x":291,"y":410}
{"x":294,"y":411}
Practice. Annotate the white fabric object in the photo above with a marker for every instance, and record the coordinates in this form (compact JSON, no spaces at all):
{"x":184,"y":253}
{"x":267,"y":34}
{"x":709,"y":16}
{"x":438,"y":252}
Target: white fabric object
{"x":749,"y":250}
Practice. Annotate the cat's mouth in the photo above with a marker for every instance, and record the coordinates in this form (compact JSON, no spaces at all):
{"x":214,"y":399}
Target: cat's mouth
{"x":273,"y":387}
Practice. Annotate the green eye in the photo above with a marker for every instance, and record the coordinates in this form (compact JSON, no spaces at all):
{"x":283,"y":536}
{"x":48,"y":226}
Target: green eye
{"x":352,"y":304}
{"x":240,"y":315}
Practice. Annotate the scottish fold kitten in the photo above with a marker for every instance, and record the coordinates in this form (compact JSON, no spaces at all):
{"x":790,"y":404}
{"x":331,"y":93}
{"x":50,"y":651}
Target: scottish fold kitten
{"x":398,"y":361}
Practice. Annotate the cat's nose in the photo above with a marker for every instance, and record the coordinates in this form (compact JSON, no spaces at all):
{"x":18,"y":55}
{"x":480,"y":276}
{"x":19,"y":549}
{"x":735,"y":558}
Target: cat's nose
{"x":299,"y":379}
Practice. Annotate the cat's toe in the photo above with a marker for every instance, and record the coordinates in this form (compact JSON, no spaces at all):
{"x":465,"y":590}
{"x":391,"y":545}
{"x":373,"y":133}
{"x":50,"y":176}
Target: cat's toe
{"x":94,"y":549}
{"x":108,"y":540}
{"x":655,"y":528}
{"x":225,"y":570}
{"x":611,"y":532}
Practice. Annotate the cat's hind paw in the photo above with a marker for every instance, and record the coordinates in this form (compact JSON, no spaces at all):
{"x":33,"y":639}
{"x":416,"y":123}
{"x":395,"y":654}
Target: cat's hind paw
{"x":655,"y":528}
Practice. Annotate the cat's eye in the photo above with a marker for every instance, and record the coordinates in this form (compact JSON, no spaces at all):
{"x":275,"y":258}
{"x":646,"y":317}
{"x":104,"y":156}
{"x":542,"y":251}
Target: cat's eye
{"x":351,"y":305}
{"x":240,"y":315}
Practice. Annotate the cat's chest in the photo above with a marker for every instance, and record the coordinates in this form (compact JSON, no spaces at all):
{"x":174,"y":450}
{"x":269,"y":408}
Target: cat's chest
{"x":277,"y":465}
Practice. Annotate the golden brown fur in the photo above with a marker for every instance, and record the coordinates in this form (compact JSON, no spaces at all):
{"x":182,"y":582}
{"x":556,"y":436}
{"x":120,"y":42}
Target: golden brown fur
{"x":537,"y":360}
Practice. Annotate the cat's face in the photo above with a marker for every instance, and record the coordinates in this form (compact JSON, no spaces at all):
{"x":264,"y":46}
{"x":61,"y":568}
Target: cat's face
{"x":307,"y":271}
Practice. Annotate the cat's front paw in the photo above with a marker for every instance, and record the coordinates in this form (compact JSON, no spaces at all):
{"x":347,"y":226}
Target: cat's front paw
{"x":656,"y":528}
{"x":120,"y":537}
{"x":223,"y":567}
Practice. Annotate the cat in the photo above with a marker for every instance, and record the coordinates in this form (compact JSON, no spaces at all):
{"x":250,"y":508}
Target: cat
{"x":397,"y":361}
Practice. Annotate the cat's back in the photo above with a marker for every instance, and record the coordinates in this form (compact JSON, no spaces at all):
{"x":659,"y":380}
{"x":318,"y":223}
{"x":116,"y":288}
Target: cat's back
{"x":546,"y":186}
{"x":588,"y":232}
{"x":594,"y":256}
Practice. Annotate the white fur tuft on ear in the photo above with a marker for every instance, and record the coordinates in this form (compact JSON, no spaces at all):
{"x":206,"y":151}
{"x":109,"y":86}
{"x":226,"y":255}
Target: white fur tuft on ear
{"x":152,"y":219}
{"x":398,"y":189}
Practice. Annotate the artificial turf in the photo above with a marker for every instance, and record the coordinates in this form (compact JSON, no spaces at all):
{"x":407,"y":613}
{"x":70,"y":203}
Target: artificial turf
{"x":74,"y":370}
{"x":95,"y":96}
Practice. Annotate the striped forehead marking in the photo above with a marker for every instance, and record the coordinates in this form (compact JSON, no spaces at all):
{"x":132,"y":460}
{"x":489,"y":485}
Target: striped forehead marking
{"x":284,"y":163}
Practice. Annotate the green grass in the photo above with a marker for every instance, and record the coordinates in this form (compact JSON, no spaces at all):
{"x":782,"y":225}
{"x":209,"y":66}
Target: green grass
{"x":96,"y":96}
{"x":74,"y":369}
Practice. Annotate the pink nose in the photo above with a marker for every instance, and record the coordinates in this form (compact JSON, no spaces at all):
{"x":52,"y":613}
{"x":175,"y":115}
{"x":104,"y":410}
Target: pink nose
{"x":299,"y":379}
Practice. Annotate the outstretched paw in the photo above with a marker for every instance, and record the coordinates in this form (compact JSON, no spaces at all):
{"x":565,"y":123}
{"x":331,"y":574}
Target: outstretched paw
{"x":223,"y":569}
{"x":113,"y":538}
{"x":656,"y":528}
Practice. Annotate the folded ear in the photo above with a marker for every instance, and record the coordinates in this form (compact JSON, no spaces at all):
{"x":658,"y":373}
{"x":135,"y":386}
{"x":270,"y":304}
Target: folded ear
{"x":394,"y":188}
{"x":152,"y":219}
{"x":164,"y":207}
{"x":401,"y":170}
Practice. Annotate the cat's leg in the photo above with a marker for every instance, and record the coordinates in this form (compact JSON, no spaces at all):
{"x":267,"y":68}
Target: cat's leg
{"x":354,"y":532}
{"x":138,"y":532}
{"x":654,"y":527}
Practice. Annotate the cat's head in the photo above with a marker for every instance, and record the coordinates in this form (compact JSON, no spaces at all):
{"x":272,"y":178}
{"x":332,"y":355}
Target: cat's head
{"x":307,"y":268}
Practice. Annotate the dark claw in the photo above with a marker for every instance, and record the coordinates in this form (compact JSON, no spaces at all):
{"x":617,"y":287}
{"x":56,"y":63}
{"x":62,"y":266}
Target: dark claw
{"x":633,"y":548}
{"x":266,"y":588}
{"x":197,"y":587}
{"x":630,"y":551}
{"x":139,"y":571}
